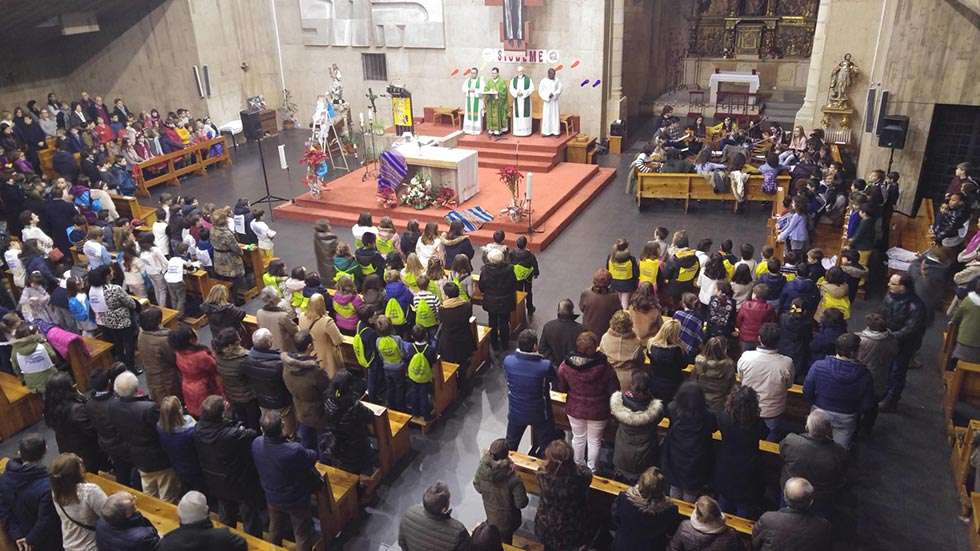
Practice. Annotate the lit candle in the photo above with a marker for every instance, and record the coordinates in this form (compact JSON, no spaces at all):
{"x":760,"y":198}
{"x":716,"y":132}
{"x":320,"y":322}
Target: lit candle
{"x":361,"y":116}
{"x":527,"y":191}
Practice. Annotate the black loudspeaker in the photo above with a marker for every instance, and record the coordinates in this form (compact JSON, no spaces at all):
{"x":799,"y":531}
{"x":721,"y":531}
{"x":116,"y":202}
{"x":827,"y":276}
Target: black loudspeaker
{"x":251,"y":125}
{"x":894,"y":129}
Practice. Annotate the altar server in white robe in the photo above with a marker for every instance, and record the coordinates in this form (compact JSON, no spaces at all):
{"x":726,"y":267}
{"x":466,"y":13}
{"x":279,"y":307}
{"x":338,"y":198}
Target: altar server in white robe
{"x":521,"y":89}
{"x":550,"y":90}
{"x":473,"y":92}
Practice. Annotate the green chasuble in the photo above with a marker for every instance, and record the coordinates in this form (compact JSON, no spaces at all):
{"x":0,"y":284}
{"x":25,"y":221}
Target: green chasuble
{"x":496,"y":105}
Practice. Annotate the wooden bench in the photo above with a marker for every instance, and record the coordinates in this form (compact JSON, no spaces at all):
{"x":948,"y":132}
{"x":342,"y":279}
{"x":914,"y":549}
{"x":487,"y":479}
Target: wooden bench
{"x":337,"y":502}
{"x":687,"y":187}
{"x":87,"y":355}
{"x":19,"y":407}
{"x":194,"y":160}
{"x":961,"y":385}
{"x":390,"y":429}
{"x":170,"y":319}
{"x":605,"y":490}
{"x":975,"y":521}
{"x":959,"y":462}
{"x":518,"y":318}
{"x":46,"y":157}
{"x":130,"y":207}
{"x":252,"y":258}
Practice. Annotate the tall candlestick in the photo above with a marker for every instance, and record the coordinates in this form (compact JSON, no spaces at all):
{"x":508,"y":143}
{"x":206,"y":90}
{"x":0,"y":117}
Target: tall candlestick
{"x":361,"y":116}
{"x":528,"y":185}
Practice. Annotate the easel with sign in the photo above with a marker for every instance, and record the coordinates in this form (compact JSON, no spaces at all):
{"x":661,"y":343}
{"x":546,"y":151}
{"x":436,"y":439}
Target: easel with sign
{"x":401,"y":110}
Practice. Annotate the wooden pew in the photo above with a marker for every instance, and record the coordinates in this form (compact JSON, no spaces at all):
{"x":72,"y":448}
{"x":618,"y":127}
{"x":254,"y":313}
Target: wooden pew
{"x":605,"y":490}
{"x":959,"y":462}
{"x":518,"y":318}
{"x":130,"y":207}
{"x":687,"y":187}
{"x":389,"y":428}
{"x":170,"y":319}
{"x":961,"y":385}
{"x":975,"y":521}
{"x":87,"y":355}
{"x":337,"y":502}
{"x":252,"y":258}
{"x":19,"y":407}
{"x":193,"y":158}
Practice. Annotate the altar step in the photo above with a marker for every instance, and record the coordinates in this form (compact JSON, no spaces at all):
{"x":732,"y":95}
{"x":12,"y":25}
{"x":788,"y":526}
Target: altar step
{"x":533,"y":153}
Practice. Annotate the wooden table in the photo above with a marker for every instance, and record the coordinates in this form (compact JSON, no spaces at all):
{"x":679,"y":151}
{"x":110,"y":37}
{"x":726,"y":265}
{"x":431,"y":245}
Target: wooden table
{"x":454,"y":114}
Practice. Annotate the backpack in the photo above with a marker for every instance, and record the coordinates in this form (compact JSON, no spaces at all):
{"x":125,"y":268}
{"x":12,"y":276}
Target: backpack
{"x":425,"y":315}
{"x":390,"y":352}
{"x":419,"y":368}
{"x":395,"y":312}
{"x":358,"y":345}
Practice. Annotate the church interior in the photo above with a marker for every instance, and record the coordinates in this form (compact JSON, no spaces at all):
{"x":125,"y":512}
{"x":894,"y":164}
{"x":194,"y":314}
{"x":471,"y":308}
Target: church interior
{"x":490,"y":275}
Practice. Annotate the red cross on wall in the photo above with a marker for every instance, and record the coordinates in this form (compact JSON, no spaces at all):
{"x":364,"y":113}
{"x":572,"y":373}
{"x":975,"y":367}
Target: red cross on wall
{"x":515,"y":29}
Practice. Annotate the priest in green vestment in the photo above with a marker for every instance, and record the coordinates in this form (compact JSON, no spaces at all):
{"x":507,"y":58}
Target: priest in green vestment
{"x":496,"y":103}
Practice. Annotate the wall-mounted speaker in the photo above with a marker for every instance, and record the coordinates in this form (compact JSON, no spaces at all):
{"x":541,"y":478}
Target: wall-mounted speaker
{"x":882,"y":110}
{"x":869,"y":108}
{"x":894,"y":130}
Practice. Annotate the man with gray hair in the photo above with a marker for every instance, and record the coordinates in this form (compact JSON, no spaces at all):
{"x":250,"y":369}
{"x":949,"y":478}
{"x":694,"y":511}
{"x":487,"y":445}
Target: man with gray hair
{"x":263,"y":370}
{"x":122,"y":528}
{"x":499,"y":287}
{"x":794,"y":526}
{"x":817,"y":458}
{"x":430,"y":526}
{"x":558,"y":335}
{"x":135,"y":416}
{"x":196,"y":530}
{"x":277,"y":316}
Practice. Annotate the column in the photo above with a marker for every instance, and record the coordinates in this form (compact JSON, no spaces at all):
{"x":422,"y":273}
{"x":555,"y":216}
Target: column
{"x":809,"y":115}
{"x":613,"y":88}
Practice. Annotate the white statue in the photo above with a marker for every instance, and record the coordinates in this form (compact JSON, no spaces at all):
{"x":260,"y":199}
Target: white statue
{"x":336,"y":86}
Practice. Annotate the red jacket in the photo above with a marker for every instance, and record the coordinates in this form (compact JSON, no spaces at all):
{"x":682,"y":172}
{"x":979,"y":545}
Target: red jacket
{"x":750,"y":318}
{"x":589,"y":383}
{"x":199,"y":377}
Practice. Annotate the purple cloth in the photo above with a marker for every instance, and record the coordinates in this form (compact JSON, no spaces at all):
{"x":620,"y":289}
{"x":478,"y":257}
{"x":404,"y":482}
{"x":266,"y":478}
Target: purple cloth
{"x":393,"y":170}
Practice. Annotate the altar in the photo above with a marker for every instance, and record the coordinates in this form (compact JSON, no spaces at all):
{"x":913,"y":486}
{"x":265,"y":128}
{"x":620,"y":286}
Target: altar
{"x":741,"y":78}
{"x":450,"y":167}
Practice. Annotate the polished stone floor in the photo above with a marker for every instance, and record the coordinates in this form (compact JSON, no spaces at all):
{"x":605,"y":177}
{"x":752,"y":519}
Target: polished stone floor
{"x":901,"y":494}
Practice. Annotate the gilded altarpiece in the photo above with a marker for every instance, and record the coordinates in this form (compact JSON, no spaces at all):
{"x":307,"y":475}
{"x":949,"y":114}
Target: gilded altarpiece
{"x":753,"y":29}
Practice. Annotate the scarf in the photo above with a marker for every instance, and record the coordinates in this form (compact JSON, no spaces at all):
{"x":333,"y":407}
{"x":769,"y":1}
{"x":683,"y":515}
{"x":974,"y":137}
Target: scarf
{"x":974,"y":297}
{"x":647,"y":506}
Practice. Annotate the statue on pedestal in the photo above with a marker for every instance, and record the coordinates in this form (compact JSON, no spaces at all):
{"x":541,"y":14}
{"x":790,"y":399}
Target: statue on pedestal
{"x":840,"y":80}
{"x":336,"y":86}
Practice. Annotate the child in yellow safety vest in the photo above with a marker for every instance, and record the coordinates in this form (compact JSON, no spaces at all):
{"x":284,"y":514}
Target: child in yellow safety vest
{"x":345,"y":304}
{"x":398,"y":301}
{"x":275,"y":276}
{"x":293,"y":287}
{"x":388,"y":238}
{"x":421,"y":357}
{"x":368,"y":258}
{"x":834,"y":293}
{"x":413,"y":269}
{"x":650,"y":264}
{"x":436,"y":274}
{"x":425,"y":306}
{"x":345,"y":265}
{"x":525,"y":271}
{"x":625,"y":271}
{"x":462,"y":276}
{"x":391,"y":349}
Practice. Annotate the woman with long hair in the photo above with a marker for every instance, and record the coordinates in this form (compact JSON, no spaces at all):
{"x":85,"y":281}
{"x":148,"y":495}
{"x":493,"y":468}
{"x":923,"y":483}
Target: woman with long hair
{"x":712,"y":273}
{"x":645,"y":311}
{"x":176,"y":430}
{"x":624,"y":269}
{"x":78,"y":503}
{"x":411,"y":272}
{"x":221,"y":313}
{"x":667,"y":360}
{"x":738,"y":465}
{"x":714,"y":371}
{"x":686,"y":453}
{"x":742,"y":283}
{"x":643,"y":516}
{"x":327,"y":338}
{"x":65,"y":413}
{"x":429,"y":244}
{"x":197,"y":366}
{"x":456,"y":242}
{"x":133,"y":279}
{"x":562,"y":519}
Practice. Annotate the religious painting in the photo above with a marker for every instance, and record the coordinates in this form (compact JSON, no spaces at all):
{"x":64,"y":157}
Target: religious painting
{"x":748,"y":39}
{"x":794,"y":40}
{"x":382,"y":23}
{"x":797,"y":8}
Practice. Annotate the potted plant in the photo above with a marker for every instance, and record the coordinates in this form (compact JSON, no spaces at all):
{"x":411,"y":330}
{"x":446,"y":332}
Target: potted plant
{"x":288,"y":110}
{"x":511,"y":177}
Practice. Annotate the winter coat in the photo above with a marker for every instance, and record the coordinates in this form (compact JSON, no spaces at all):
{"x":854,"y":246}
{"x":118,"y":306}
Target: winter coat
{"x":558,"y":338}
{"x":643,"y":525}
{"x":627,"y":285}
{"x":738,"y":461}
{"x":179,"y":446}
{"x":346,"y":435}
{"x":833,"y":296}
{"x":751,"y":315}
{"x":227,"y":253}
{"x":202,"y":535}
{"x":839,"y":385}
{"x":770,"y":374}
{"x":230,"y":367}
{"x":325,"y":248}
{"x":689,"y":538}
{"x":562,"y":519}
{"x":877,"y":351}
{"x":456,"y":342}
{"x":286,"y":471}
{"x":346,"y":323}
{"x":529,"y":378}
{"x":222,"y":316}
{"x":502,"y":491}
{"x":589,"y":382}
{"x":716,"y":378}
{"x":109,"y":439}
{"x":722,"y":311}
{"x":263,"y":370}
{"x":281,"y":325}
{"x":624,"y":353}
{"x":498,"y":285}
{"x":795,"y":333}
{"x":346,"y":265}
{"x":370,"y":259}
{"x":667,"y":371}
{"x":646,"y":324}
{"x":120,"y":307}
{"x":775,"y":283}
{"x":75,"y":432}
{"x":637,"y":444}
{"x":801,"y":287}
{"x":199,"y":377}
{"x":455,"y":246}
{"x":687,"y":450}
{"x":420,"y":530}
{"x":135,"y":418}
{"x":158,"y":360}
{"x":823,"y":462}
{"x":327,"y":341}
{"x":789,"y":528}
{"x":824,"y":341}
{"x":26,"y":507}
{"x":134,"y":534}
{"x":223,"y":451}
{"x":906,"y":318}
{"x":307,"y":383}
{"x":597,"y":309}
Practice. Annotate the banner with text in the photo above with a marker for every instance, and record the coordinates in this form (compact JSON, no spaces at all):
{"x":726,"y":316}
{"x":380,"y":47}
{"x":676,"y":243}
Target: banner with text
{"x":500,"y":55}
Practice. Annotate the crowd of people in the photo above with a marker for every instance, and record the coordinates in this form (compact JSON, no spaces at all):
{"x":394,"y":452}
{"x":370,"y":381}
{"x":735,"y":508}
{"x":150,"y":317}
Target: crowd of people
{"x":236,"y":425}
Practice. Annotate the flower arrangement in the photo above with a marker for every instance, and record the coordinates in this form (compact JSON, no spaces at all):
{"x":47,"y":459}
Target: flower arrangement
{"x":511,"y":177}
{"x":317,"y":169}
{"x":446,"y":198}
{"x":387,"y":198}
{"x":417,"y":193}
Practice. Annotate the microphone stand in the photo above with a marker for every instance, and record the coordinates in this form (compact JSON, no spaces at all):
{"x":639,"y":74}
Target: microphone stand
{"x":268,"y":198}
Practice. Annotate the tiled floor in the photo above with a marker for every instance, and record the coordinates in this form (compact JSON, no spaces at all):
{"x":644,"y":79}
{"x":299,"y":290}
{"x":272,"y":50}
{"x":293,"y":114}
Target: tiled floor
{"x":902,"y":494}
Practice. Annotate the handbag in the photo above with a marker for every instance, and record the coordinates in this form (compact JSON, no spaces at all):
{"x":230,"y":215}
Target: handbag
{"x":56,"y":255}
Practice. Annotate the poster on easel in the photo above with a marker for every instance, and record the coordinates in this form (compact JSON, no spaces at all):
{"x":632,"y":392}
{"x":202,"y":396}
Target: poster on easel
{"x":401,"y":112}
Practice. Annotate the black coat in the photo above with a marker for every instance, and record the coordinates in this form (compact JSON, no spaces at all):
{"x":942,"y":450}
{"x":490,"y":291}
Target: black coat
{"x":223,"y":316}
{"x":65,"y":165}
{"x":791,"y":529}
{"x":499,"y":285}
{"x":224,"y":451}
{"x":456,"y":342}
{"x":134,"y":534}
{"x":202,"y":536}
{"x":60,"y":216}
{"x":738,"y":465}
{"x":667,"y":371}
{"x":687,"y":451}
{"x":74,"y":431}
{"x":136,"y":421}
{"x":647,"y":529}
{"x":558,"y":338}
{"x":13,"y":198}
{"x":345,"y":443}
{"x":795,"y":332}
{"x":26,"y":508}
{"x":109,"y":439}
{"x":906,"y":318}
{"x":460,"y":245}
{"x":263,"y":369}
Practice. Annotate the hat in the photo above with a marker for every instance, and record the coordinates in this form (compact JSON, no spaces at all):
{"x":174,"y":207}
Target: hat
{"x":193,"y":507}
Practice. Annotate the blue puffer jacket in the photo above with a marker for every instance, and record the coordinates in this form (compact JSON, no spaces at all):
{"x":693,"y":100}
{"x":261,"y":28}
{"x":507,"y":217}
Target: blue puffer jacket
{"x":800,"y":287}
{"x":31,"y":515}
{"x":824,"y":341}
{"x":839,"y":385}
{"x":529,"y":376}
{"x":285,"y":471}
{"x":134,"y":534}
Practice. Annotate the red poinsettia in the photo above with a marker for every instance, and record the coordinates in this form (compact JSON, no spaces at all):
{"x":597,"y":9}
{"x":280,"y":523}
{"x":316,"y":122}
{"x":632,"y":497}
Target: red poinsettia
{"x":387,"y":198}
{"x":447,"y":198}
